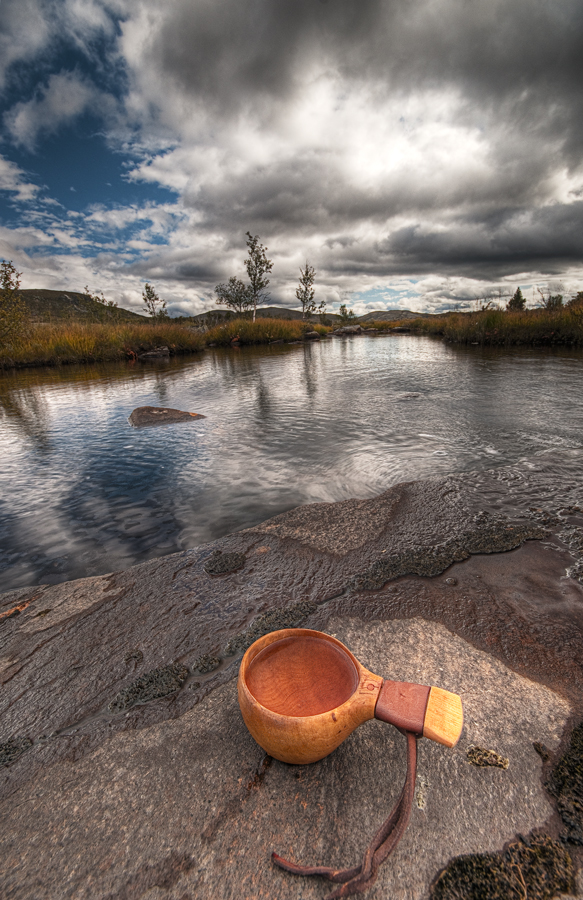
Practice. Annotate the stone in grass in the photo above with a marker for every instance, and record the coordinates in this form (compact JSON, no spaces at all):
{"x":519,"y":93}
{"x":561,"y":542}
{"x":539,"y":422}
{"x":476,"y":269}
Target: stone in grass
{"x":220,"y":563}
{"x":12,"y":749}
{"x":151,"y":686}
{"x":156,"y":353}
{"x":566,"y":785}
{"x":537,"y":868}
{"x":160,"y":415}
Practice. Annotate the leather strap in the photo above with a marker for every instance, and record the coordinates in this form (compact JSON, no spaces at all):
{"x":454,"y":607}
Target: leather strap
{"x":360,"y":878}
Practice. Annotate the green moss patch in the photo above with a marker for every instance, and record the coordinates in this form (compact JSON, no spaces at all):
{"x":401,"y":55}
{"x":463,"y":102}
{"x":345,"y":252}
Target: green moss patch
{"x":566,"y":785}
{"x":151,"y":686}
{"x":530,"y":869}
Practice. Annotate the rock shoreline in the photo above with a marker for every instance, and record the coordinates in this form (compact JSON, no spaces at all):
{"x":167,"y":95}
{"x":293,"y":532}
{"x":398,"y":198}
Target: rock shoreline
{"x":129,"y":771}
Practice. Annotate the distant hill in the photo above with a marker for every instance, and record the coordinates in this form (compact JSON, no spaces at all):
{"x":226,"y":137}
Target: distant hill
{"x":282,"y":312}
{"x":388,"y":315}
{"x":263,"y":312}
{"x":51,"y":306}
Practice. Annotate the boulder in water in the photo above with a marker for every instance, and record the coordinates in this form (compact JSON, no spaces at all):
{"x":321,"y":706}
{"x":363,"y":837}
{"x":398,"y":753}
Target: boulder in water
{"x":160,"y":415}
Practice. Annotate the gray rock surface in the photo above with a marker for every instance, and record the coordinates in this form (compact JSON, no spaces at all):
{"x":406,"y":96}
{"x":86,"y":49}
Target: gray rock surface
{"x":160,"y":415}
{"x":191,"y":807}
{"x":132,"y":775}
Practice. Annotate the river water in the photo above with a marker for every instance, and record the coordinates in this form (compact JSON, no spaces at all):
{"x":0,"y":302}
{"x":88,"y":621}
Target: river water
{"x":84,"y":493}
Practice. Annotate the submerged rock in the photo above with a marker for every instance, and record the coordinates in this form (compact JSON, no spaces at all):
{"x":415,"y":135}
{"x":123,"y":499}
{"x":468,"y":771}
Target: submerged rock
{"x":160,"y":415}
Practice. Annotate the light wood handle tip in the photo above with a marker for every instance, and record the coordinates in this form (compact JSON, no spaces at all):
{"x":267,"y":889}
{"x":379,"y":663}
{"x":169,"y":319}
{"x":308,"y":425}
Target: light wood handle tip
{"x":444,"y":717}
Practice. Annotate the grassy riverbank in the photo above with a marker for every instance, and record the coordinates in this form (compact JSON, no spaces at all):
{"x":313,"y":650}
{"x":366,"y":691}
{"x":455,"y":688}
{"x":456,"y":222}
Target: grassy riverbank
{"x":263,"y":331}
{"x":534,"y":327}
{"x":74,"y":342}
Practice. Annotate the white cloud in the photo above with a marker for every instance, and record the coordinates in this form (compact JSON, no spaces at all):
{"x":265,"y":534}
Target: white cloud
{"x":64,"y":97}
{"x":24,"y":31}
{"x":13,"y":179}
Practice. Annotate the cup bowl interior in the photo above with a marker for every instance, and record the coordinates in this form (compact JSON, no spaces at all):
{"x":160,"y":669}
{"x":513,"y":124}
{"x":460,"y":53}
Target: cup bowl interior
{"x":302,"y":675}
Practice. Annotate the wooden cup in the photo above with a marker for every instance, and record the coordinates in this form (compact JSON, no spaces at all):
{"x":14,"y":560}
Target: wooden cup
{"x":302,"y":692}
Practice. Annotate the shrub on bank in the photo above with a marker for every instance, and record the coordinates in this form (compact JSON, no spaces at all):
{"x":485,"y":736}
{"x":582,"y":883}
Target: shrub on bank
{"x":495,"y":327}
{"x":262,"y":331}
{"x":75,"y":342}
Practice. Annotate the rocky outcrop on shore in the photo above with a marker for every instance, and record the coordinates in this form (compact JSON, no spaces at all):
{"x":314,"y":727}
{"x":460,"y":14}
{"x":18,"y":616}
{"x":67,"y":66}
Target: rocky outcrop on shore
{"x":128,"y":771}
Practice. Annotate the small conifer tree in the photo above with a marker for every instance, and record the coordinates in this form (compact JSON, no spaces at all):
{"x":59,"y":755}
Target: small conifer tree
{"x":516,"y":302}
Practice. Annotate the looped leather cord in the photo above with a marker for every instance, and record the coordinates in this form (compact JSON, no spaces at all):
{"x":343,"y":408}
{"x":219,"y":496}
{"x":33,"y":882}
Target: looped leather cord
{"x":360,"y":878}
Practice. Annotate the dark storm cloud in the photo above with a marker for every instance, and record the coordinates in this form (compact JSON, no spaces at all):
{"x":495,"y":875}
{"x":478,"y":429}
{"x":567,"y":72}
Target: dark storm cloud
{"x":548,"y":240}
{"x":520,"y":62}
{"x":382,"y":139}
{"x":516,"y":70}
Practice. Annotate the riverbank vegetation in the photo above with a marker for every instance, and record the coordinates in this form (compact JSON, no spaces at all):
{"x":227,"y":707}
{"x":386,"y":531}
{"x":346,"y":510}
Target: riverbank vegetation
{"x":76,"y":342}
{"x":496,"y":327}
{"x":262,"y":331}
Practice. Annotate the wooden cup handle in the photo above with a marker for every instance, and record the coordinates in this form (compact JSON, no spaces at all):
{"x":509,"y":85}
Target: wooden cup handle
{"x":429,"y":711}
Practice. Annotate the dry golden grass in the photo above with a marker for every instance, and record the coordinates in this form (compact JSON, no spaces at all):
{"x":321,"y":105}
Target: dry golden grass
{"x":74,"y":342}
{"x":263,"y":331}
{"x":537,"y":327}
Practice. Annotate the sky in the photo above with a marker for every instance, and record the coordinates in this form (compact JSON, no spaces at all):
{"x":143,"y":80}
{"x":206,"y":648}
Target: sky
{"x":420,"y":154}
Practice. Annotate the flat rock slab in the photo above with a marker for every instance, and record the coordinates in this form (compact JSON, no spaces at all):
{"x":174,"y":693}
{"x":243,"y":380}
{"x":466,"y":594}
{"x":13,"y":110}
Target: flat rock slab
{"x":160,"y":415}
{"x":191,"y":807}
{"x":136,"y":776}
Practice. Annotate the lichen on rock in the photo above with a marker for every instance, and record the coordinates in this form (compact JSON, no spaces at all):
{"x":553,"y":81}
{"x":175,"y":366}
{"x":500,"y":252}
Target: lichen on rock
{"x":12,"y":749}
{"x":478,"y":756}
{"x":206,"y":663}
{"x":151,"y":686}
{"x":220,"y":563}
{"x":494,"y":537}
{"x":566,"y":785}
{"x":290,"y":617}
{"x":542,"y":751}
{"x":537,"y":868}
